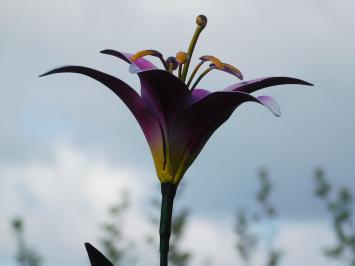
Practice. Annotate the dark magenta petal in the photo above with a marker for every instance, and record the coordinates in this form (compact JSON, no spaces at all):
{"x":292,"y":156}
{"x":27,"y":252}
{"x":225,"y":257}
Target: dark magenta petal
{"x":198,"y":94}
{"x":136,"y":66}
{"x":133,"y":101}
{"x":195,"y":96}
{"x":271,"y":104}
{"x":197,"y":123}
{"x":261,"y":83}
{"x":128,"y":95}
{"x":96,"y":257}
{"x":164,"y":93}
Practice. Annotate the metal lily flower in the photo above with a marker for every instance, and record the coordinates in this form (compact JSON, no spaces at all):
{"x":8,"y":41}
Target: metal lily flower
{"x":176,"y":117}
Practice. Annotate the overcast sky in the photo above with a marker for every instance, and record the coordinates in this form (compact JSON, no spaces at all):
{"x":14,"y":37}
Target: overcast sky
{"x":68,"y":145}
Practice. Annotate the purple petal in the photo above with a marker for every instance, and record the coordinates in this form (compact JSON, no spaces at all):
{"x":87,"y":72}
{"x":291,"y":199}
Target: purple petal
{"x":194,"y":126}
{"x":136,"y":66}
{"x":231,"y":70}
{"x":164,"y":93}
{"x":261,"y":83}
{"x":198,"y":94}
{"x":133,"y":101}
{"x":271,"y":104}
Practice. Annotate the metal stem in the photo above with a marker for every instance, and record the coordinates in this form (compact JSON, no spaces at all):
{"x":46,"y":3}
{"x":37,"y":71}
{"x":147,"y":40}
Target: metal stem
{"x":168,"y":191}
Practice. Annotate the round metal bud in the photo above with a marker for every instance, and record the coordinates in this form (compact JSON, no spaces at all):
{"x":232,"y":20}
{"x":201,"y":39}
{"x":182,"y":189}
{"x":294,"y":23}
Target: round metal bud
{"x":172,"y":60}
{"x":182,"y":57}
{"x":201,"y":21}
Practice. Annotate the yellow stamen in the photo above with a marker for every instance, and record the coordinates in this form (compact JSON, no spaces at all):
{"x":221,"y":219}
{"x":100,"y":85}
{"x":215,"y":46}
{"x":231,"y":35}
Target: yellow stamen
{"x":144,"y":53}
{"x":218,"y":63}
{"x":201,"y":22}
{"x":233,"y":70}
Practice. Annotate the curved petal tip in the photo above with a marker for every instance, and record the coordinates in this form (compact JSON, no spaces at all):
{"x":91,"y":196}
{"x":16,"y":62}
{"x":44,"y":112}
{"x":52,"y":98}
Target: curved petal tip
{"x":52,"y":71}
{"x":271,"y":104}
{"x":105,"y":51}
{"x":68,"y":69}
{"x":123,"y":56}
{"x":301,"y":82}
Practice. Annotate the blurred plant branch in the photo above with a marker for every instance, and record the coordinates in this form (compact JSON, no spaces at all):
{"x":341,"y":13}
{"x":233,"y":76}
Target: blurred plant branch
{"x":25,"y":255}
{"x":248,"y":239}
{"x":339,"y":204}
{"x":117,"y":248}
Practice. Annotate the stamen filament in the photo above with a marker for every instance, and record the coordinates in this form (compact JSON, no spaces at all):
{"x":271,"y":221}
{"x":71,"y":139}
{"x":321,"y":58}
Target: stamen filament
{"x":204,"y":73}
{"x":164,"y":63}
{"x":194,"y":72}
{"x":171,"y":67}
{"x":179,"y":71}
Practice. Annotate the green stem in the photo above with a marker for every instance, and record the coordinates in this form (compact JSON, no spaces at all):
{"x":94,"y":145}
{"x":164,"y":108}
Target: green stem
{"x":168,"y":191}
{"x":190,"y":51}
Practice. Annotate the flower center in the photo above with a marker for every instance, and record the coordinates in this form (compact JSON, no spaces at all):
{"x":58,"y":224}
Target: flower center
{"x":182,"y":59}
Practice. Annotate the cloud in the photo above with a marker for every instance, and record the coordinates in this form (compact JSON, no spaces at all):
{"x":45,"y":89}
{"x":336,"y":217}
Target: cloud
{"x":64,"y":199}
{"x":214,"y":241}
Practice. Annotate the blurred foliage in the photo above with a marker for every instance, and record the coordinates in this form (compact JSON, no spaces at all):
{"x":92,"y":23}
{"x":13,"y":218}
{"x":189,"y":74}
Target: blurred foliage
{"x":116,"y":247}
{"x":339,"y":204}
{"x":177,"y":256}
{"x":248,"y":238}
{"x":25,"y":255}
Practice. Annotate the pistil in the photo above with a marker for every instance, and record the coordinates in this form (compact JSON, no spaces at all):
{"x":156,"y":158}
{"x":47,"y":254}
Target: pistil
{"x":201,"y":22}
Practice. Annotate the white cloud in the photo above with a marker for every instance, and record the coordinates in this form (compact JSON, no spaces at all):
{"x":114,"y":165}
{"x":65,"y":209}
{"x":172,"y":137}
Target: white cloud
{"x":63,"y":200}
{"x":302,"y":242}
